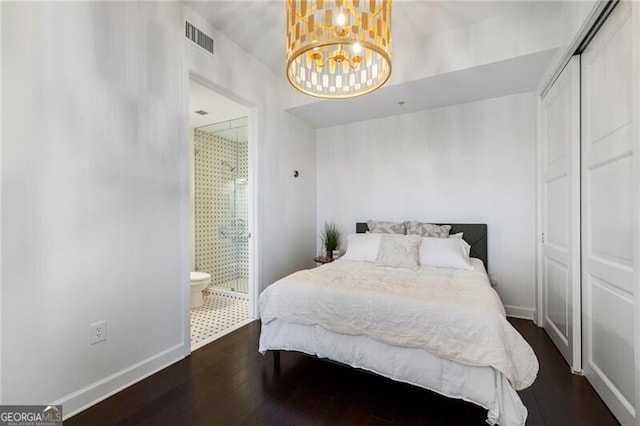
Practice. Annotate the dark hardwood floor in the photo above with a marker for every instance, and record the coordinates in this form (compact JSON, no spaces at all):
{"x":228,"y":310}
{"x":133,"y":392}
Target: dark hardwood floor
{"x":229,"y":383}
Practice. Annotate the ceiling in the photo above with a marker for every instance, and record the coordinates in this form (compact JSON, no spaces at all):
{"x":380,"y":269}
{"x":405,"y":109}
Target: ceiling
{"x":517,"y":75}
{"x":259,"y":28}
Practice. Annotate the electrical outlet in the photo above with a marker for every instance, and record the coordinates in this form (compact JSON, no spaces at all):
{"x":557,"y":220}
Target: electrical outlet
{"x":98,"y":332}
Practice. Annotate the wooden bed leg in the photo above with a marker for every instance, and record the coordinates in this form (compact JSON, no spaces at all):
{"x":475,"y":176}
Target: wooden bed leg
{"x":276,"y":360}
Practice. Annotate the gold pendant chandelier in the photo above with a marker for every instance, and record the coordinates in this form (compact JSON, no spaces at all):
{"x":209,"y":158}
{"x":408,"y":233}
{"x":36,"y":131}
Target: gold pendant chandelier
{"x":340,"y":48}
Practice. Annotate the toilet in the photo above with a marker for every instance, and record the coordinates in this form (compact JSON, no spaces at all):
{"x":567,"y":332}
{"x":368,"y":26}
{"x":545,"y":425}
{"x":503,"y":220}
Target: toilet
{"x":199,"y":281}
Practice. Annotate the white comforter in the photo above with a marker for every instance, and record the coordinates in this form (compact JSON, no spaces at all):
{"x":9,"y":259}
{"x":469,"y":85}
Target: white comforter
{"x":453,"y":314}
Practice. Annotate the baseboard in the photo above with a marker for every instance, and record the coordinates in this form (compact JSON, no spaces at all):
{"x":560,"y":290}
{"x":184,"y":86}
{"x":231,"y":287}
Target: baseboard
{"x":227,"y":293}
{"x":520,"y":312}
{"x":90,"y":395}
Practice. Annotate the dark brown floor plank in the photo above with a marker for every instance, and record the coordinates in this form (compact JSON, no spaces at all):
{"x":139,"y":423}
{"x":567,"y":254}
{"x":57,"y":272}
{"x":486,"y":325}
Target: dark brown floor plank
{"x":229,"y":383}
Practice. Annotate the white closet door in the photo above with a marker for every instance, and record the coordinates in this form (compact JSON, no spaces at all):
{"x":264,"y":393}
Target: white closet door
{"x":608,"y":222}
{"x":560,"y":208}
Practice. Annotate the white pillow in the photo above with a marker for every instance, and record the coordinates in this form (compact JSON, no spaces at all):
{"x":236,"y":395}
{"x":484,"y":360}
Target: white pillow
{"x":445,"y":253}
{"x":466,"y":245}
{"x":362,"y":247}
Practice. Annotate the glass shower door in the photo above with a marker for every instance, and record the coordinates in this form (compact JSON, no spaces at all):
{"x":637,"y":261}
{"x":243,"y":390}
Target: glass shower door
{"x":222,"y":203}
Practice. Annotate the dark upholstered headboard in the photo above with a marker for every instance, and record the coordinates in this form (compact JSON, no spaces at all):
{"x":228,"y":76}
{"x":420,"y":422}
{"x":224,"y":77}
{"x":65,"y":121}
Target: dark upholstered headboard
{"x":473,"y":233}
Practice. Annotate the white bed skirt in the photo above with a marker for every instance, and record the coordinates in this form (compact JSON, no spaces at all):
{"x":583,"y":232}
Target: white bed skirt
{"x":483,"y":386}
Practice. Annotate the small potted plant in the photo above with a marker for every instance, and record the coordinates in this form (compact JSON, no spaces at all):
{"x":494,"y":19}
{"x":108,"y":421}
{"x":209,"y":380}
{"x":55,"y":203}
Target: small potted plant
{"x":331,"y":237}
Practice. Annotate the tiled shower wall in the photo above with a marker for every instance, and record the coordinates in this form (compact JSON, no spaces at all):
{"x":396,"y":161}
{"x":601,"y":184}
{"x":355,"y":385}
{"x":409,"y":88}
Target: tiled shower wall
{"x":220,"y":235}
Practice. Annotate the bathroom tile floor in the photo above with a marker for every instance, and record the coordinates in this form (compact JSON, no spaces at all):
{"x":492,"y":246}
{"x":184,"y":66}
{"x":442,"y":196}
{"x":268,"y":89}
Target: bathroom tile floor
{"x":219,"y":313}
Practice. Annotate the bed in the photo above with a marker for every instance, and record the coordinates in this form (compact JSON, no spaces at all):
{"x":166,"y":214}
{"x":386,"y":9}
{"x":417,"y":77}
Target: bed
{"x":438,"y":328}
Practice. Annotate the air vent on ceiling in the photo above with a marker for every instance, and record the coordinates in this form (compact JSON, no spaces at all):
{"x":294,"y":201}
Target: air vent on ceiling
{"x":198,"y":37}
{"x":201,"y":112}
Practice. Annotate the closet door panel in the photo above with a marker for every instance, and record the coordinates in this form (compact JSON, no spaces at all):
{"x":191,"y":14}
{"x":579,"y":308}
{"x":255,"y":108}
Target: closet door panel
{"x":557,"y":277}
{"x":608,"y":200}
{"x":560,"y":204}
{"x":612,"y":309}
{"x":611,"y":210}
{"x":611,"y":100}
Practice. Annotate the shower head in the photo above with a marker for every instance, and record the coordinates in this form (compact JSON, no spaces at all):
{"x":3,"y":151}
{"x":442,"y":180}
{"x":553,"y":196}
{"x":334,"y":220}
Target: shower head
{"x":224,"y":163}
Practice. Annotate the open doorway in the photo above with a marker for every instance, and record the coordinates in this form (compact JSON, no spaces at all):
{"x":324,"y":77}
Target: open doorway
{"x":221,"y":202}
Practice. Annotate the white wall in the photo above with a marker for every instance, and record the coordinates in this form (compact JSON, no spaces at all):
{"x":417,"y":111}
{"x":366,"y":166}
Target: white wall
{"x":91,"y":193}
{"x":95,"y":191}
{"x":470,"y":163}
{"x":521,"y":32}
{"x":1,"y":56}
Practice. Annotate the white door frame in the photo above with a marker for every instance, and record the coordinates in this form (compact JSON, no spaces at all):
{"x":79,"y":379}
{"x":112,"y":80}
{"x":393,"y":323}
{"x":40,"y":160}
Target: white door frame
{"x":598,"y":10}
{"x":187,"y":207}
